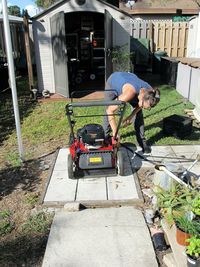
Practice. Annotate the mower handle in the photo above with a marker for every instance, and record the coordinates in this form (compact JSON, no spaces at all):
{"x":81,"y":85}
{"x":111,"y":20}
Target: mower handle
{"x":96,"y":103}
{"x":69,"y":111}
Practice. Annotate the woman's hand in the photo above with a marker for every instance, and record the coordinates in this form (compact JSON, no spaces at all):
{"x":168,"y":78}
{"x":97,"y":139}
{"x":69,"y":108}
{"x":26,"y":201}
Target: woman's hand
{"x":127,"y":121}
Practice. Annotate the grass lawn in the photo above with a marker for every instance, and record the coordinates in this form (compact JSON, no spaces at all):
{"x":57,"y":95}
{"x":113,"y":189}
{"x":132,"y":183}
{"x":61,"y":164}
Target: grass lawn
{"x":45,"y":126}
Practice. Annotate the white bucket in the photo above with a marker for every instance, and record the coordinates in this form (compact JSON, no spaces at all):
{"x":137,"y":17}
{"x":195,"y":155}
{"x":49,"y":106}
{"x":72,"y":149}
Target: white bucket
{"x":163,"y":180}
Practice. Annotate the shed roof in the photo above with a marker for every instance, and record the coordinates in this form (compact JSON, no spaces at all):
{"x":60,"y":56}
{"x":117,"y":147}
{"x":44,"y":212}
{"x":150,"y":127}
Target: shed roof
{"x":13,"y":18}
{"x":189,"y":7}
{"x":61,"y":2}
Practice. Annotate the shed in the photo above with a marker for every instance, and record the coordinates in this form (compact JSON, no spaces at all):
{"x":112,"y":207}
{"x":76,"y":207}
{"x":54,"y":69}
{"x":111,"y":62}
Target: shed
{"x":73,"y":41}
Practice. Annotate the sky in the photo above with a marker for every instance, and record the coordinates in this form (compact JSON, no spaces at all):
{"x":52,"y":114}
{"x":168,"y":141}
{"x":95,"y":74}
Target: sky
{"x":24,"y":4}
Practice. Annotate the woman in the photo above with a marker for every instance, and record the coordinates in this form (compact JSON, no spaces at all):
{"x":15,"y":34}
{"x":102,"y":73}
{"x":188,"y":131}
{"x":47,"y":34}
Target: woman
{"x":129,"y":88}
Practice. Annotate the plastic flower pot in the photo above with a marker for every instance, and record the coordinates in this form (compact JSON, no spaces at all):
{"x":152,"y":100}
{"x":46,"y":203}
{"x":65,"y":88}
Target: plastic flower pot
{"x":192,"y":262}
{"x":181,"y":237}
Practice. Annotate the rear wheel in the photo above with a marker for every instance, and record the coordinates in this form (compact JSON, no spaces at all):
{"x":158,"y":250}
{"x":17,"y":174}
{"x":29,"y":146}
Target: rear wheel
{"x":120,"y":163}
{"x":70,"y":166}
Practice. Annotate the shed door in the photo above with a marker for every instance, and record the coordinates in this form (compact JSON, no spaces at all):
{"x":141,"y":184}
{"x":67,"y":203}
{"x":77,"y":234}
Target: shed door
{"x":59,"y":54}
{"x":108,"y":43}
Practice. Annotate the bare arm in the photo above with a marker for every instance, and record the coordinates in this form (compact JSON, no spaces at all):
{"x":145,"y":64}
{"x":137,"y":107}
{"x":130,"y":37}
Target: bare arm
{"x":128,"y":93}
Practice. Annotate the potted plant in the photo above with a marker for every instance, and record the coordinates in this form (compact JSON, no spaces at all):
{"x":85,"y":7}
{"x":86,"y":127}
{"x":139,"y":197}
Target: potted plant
{"x":174,"y":202}
{"x":193,"y":252}
{"x":196,"y":206}
{"x":185,"y":229}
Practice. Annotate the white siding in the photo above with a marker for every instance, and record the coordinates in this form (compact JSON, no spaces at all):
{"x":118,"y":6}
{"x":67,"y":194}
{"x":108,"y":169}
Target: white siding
{"x":192,"y":37}
{"x":42,"y":37}
{"x":42,"y":42}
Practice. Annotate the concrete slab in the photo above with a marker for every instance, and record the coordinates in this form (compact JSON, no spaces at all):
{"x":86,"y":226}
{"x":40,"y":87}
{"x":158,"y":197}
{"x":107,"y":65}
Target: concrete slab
{"x":100,"y":237}
{"x":135,"y":161}
{"x":92,"y":191}
{"x":61,"y":162}
{"x":162,"y":154}
{"x":187,"y":154}
{"x":120,"y":188}
{"x":60,"y":188}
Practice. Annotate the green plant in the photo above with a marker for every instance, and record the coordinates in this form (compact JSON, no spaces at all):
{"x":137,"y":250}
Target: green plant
{"x":13,"y":159}
{"x":6,"y":225}
{"x":38,"y":223}
{"x":193,"y":249}
{"x":187,"y":226}
{"x":174,"y":202}
{"x":196,"y":206}
{"x":31,"y":199}
{"x":121,"y":58}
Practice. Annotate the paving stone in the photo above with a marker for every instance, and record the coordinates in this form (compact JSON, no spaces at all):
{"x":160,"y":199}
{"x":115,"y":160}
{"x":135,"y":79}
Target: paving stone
{"x":162,"y":154}
{"x":122,"y":187}
{"x":60,"y":188}
{"x":100,"y":237}
{"x":91,"y":189}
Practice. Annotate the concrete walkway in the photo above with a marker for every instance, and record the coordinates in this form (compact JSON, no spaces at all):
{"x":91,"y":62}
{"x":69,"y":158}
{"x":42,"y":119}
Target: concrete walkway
{"x":110,"y":237}
{"x":113,"y":237}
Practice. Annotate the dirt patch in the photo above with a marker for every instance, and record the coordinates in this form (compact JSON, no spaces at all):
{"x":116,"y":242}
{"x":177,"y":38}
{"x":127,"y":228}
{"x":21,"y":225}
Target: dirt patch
{"x":24,"y":240}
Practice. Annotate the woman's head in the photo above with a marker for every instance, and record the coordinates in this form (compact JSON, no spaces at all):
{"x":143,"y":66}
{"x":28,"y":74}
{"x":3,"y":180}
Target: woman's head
{"x":148,"y":98}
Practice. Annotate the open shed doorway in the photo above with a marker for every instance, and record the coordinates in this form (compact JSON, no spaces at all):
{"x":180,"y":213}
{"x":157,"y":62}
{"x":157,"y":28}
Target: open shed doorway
{"x":85,"y":50}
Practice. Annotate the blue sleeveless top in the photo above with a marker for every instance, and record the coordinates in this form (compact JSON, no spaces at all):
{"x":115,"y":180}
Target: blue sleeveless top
{"x":118,"y":79}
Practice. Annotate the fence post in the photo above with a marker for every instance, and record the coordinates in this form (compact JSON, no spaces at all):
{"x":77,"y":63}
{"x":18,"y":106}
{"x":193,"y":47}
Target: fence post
{"x":28,"y":52}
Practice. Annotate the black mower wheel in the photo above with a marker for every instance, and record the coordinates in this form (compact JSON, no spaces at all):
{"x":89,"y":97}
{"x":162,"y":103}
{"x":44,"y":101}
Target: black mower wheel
{"x":70,"y":166}
{"x":120,"y":163}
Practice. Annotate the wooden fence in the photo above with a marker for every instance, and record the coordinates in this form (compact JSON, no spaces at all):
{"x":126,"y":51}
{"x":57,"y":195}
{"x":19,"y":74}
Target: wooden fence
{"x":167,"y":36}
{"x":17,"y":38}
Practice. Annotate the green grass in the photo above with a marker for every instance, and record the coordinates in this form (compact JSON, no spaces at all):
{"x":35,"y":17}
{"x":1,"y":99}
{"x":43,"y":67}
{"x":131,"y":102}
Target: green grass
{"x":6,"y":224}
{"x":31,"y":199}
{"x":38,"y":223}
{"x":45,"y":126}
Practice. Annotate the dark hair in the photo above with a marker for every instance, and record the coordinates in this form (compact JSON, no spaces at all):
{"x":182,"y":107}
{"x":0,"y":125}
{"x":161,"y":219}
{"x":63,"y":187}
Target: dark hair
{"x":153,"y":96}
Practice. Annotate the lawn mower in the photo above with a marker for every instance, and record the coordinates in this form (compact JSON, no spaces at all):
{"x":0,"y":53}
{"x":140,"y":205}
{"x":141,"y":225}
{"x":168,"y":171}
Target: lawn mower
{"x":91,"y":153}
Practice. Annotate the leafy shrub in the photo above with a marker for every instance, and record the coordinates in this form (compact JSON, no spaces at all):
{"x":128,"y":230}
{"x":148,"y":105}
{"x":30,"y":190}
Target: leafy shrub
{"x":187,"y":226}
{"x":196,"y":206}
{"x":193,"y":249}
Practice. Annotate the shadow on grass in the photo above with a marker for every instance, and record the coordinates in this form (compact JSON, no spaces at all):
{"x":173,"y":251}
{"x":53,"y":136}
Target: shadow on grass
{"x":163,"y":109}
{"x":25,"y":177}
{"x":25,"y":250}
{"x":194,"y":136}
{"x":25,"y":103}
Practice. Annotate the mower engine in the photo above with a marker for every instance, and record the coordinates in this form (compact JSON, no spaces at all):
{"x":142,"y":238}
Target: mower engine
{"x":92,"y":136}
